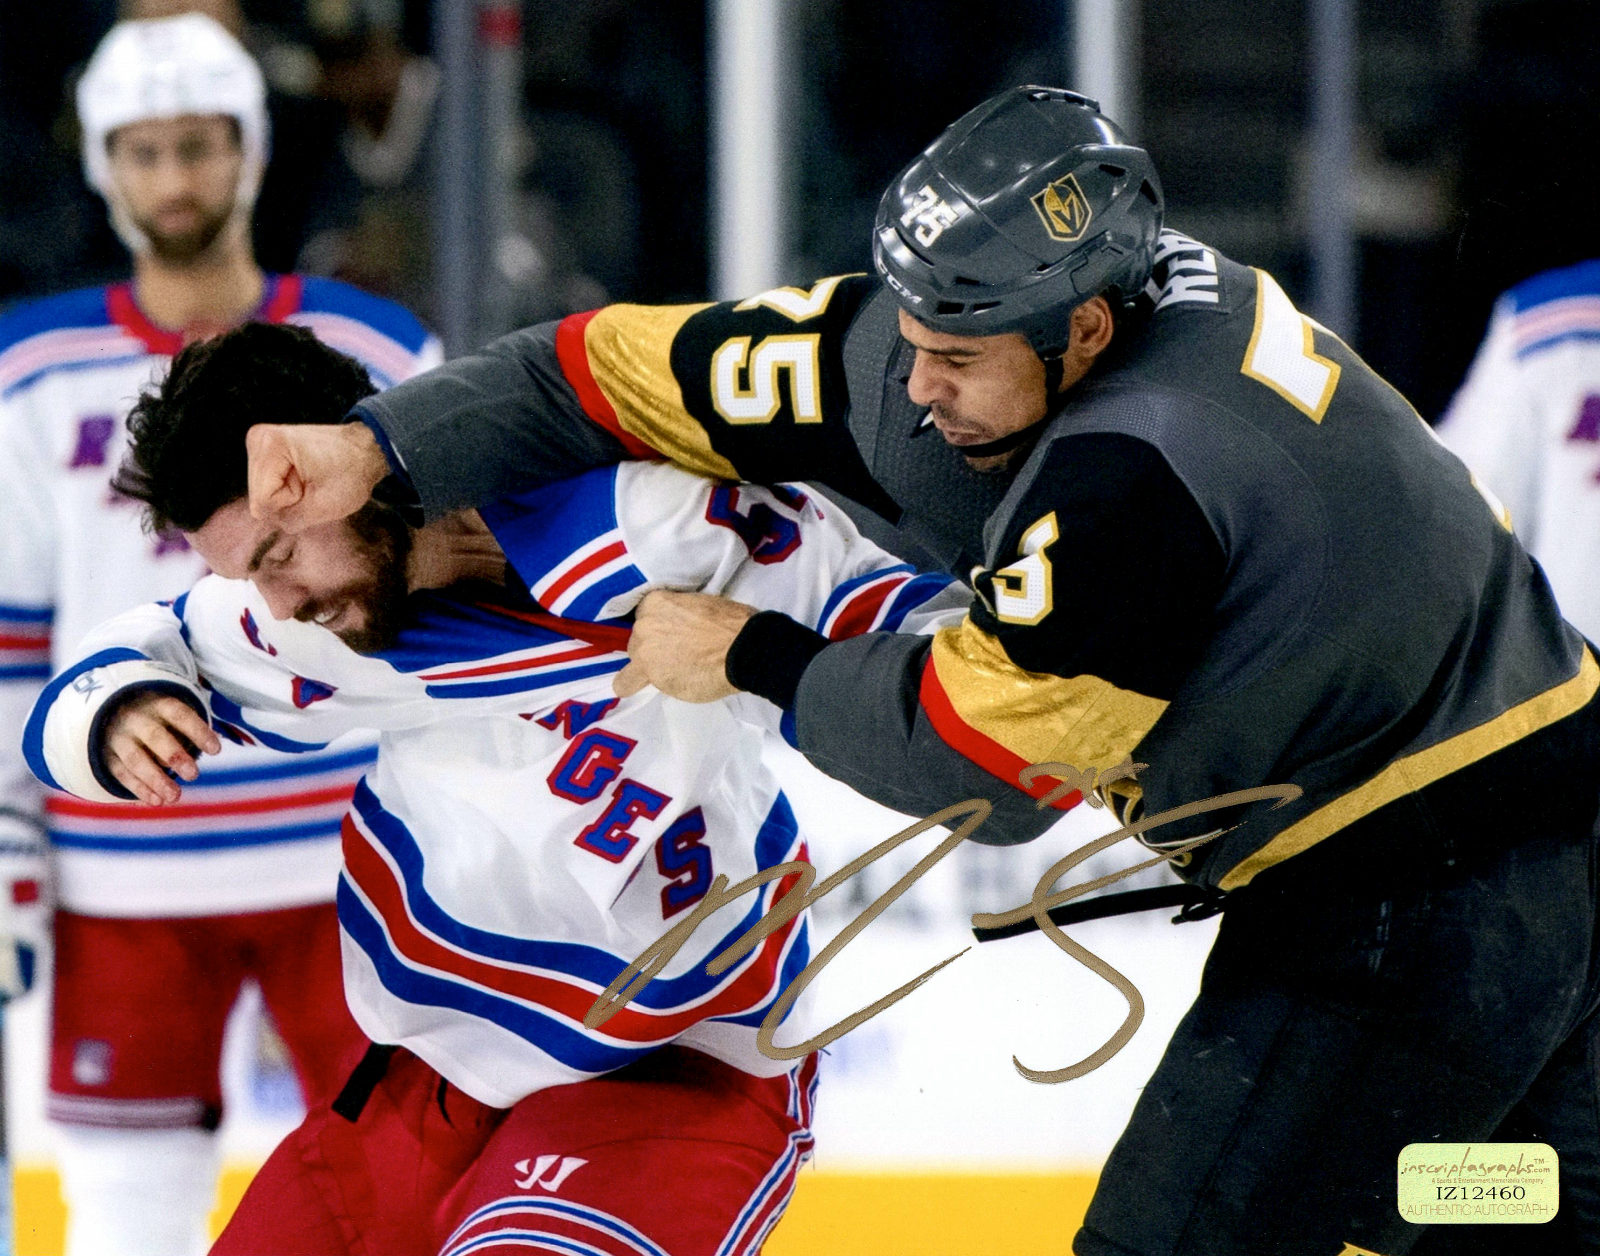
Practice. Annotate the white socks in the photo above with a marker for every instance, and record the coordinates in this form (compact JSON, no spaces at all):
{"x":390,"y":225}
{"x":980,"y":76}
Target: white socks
{"x":137,"y":1192}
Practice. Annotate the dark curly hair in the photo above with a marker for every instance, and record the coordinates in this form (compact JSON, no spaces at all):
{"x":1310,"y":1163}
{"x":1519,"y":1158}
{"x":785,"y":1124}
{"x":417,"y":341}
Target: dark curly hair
{"x":186,"y":457}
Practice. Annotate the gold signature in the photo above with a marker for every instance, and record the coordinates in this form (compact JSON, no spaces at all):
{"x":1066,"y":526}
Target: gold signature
{"x":975,"y":811}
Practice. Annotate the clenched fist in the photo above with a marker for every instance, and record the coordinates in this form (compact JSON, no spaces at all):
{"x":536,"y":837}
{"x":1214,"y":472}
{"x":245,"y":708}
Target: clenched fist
{"x":304,"y":474}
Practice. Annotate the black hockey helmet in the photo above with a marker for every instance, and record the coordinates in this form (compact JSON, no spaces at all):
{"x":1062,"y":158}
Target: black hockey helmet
{"x":1023,"y":209}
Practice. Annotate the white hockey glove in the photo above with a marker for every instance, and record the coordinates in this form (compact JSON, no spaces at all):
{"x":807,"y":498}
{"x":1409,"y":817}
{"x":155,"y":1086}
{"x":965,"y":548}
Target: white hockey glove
{"x":26,"y":902}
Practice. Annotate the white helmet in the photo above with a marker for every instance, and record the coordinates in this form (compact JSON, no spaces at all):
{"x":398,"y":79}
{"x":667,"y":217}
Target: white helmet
{"x":166,"y":68}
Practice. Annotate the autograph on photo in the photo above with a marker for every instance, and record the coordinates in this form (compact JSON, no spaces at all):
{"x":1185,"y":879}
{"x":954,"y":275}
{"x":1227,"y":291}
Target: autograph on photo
{"x":805,"y":890}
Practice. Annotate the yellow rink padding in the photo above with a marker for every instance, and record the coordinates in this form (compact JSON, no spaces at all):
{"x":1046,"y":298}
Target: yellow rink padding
{"x":41,"y":1217}
{"x":932,"y":1214}
{"x":832,"y":1213}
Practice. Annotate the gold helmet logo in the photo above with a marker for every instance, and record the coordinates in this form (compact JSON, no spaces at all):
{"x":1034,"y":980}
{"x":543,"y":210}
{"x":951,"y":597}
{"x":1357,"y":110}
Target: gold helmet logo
{"x":1064,"y":209}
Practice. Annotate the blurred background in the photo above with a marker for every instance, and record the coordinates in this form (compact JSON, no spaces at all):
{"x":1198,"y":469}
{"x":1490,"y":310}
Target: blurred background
{"x":1396,"y":165}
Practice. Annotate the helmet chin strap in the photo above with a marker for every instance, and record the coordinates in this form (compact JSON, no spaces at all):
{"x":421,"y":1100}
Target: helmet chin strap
{"x":1004,"y":445}
{"x":1053,"y":371}
{"x":1054,"y":400}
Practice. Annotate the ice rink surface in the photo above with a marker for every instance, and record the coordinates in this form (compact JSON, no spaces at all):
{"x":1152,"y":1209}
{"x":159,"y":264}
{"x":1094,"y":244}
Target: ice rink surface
{"x":927,"y":1086}
{"x":930,"y":1084}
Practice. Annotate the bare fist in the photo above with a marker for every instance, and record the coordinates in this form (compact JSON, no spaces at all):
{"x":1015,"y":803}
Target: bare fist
{"x":304,"y":474}
{"x":149,"y":734}
{"x":680,"y":645}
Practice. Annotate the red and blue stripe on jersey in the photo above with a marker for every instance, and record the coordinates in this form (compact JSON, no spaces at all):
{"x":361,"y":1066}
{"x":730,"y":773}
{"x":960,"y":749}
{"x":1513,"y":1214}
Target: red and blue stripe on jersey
{"x":228,"y":808}
{"x":25,"y":642}
{"x":70,"y":332}
{"x":294,"y":801}
{"x":565,"y":542}
{"x":99,"y":327}
{"x":878,"y":601}
{"x":1557,"y":307}
{"x":384,"y":337}
{"x":540,"y":989}
{"x":482,"y":649}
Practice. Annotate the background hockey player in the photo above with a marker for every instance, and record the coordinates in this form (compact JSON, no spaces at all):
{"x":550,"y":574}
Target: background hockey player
{"x":1527,"y":421}
{"x":1202,"y":532}
{"x":523,"y":836}
{"x":162,"y":915}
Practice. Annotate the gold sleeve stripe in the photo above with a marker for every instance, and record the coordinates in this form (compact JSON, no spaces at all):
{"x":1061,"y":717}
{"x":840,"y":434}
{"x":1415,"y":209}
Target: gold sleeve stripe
{"x":1407,"y":775}
{"x":628,"y":353}
{"x":1002,"y":718}
{"x":574,"y":359}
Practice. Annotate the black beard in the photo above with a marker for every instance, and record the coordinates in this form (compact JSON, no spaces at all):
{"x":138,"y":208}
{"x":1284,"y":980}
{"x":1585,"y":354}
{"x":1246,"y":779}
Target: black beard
{"x":187,"y":248}
{"x":385,"y":542}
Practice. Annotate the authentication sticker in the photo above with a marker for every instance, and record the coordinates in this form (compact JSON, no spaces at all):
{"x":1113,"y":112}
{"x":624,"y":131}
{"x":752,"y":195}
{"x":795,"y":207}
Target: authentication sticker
{"x":1479,"y":1183}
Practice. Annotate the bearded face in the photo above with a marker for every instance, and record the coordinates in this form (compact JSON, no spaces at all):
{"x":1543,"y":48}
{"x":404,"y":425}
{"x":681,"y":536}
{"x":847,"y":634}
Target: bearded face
{"x":348,"y":576}
{"x":185,"y":245}
{"x":178,"y":181}
{"x":367,"y":611}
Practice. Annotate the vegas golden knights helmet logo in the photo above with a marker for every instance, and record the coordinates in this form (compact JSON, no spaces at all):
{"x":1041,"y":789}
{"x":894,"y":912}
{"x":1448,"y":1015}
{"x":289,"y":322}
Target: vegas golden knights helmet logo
{"x":1064,"y":209}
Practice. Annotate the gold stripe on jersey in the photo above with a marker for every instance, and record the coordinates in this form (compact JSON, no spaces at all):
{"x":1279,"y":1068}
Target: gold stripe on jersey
{"x":1082,"y":720}
{"x":1414,"y":771}
{"x":629,"y":348}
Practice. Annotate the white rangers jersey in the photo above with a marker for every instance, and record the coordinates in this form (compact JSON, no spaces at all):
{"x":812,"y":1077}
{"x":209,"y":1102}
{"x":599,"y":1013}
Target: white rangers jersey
{"x":260,"y":832}
{"x":525,"y":834}
{"x":1527,"y":421}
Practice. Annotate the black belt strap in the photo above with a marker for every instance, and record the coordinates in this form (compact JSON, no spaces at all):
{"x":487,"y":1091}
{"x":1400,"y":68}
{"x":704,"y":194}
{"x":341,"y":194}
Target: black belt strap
{"x":363,"y":1081}
{"x":1197,"y":904}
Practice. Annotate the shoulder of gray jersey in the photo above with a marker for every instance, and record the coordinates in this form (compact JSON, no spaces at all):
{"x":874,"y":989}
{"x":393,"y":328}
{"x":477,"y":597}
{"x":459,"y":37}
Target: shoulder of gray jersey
{"x":870,"y":348}
{"x":1175,"y":389}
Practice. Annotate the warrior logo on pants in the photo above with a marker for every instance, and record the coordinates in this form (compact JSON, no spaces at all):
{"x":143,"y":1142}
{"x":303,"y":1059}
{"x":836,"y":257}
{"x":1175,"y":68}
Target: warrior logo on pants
{"x":561,"y":1172}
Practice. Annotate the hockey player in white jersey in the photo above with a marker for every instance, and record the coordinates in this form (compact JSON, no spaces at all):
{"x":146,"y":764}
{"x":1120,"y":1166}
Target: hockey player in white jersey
{"x":1527,"y":421}
{"x":524,"y":835}
{"x":161,"y":914}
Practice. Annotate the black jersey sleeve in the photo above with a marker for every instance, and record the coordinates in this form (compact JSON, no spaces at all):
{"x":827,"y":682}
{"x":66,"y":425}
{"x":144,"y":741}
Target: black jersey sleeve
{"x":1072,"y":653}
{"x":751,"y":390}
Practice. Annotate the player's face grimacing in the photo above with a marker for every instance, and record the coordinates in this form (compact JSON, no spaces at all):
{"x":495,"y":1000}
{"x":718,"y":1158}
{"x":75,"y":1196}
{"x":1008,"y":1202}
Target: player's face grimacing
{"x":977,"y":388}
{"x":348,"y":576}
{"x":179,"y":179}
{"x":981,"y":388}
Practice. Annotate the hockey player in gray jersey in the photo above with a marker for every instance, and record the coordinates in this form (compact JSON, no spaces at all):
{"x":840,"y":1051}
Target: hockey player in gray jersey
{"x":1204,"y":535}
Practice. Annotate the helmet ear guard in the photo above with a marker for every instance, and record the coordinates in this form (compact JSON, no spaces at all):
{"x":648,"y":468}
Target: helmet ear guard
{"x":1023,"y":209}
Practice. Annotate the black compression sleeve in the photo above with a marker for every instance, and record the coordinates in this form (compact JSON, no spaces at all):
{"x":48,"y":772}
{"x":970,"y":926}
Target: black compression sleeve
{"x":769,"y":656}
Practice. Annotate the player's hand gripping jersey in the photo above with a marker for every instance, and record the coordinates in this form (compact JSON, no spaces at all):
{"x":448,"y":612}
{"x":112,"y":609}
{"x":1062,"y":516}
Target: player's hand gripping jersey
{"x":257,"y":833}
{"x":525,"y":834}
{"x":1234,"y":553}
